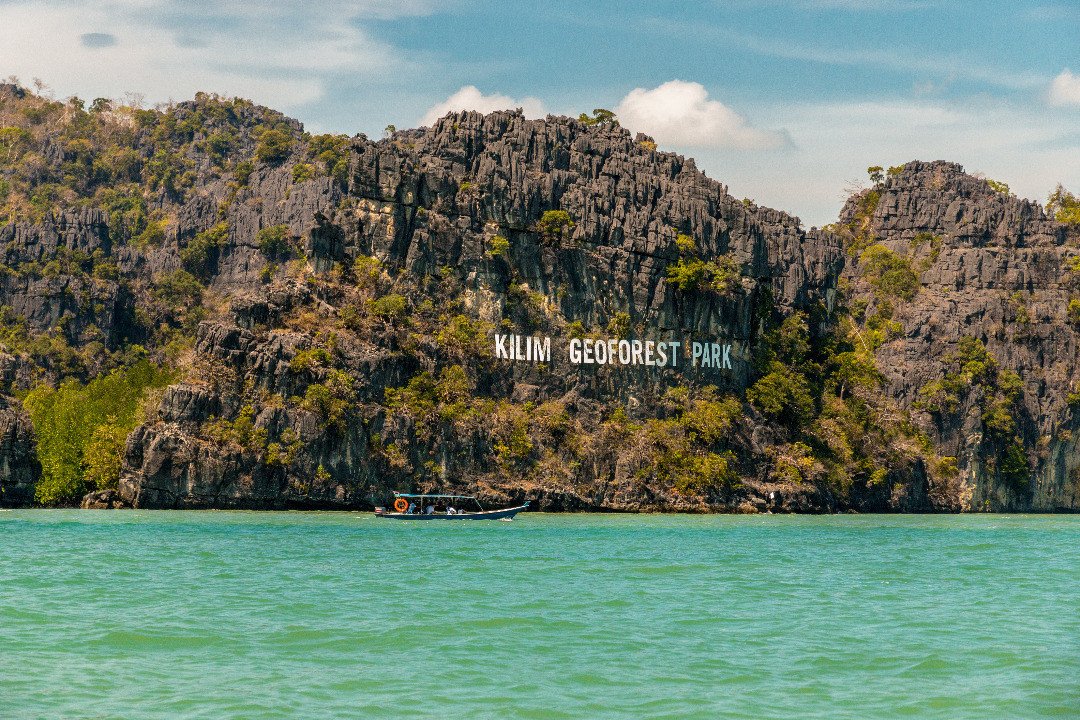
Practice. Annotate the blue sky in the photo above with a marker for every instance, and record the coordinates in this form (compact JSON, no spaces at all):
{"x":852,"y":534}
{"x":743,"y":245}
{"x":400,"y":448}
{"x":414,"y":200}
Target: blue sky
{"x":786,"y":101}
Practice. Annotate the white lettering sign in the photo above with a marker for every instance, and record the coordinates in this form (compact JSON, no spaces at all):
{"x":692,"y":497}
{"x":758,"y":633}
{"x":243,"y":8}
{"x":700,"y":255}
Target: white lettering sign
{"x":616,"y":351}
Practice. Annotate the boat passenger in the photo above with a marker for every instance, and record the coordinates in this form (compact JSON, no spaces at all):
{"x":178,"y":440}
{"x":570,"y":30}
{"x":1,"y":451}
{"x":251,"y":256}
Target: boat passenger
{"x":451,"y":511}
{"x":411,"y":509}
{"x":429,"y":510}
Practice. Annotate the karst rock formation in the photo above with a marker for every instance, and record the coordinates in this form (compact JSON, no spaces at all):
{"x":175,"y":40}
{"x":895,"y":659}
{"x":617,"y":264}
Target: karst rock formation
{"x":325,"y":309}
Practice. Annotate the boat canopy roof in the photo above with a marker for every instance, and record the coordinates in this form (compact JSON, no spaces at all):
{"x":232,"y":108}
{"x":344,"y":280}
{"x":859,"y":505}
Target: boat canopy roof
{"x":456,"y":497}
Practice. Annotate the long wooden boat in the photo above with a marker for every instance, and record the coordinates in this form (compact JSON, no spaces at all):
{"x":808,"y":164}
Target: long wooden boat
{"x":409,"y":506}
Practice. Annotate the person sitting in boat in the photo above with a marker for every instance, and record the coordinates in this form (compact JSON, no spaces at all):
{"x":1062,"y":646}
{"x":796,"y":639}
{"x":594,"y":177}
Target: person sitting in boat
{"x":451,"y":511}
{"x":429,"y":510}
{"x":411,"y":509}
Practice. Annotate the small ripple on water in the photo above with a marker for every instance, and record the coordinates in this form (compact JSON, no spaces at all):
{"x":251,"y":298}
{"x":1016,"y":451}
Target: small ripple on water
{"x":237,"y":615}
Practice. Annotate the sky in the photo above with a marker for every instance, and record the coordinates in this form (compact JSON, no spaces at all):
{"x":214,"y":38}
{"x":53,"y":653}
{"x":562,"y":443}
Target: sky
{"x":785,"y":101}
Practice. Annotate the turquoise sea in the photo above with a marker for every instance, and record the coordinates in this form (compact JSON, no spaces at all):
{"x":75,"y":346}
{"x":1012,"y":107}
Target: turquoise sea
{"x":139,"y":614}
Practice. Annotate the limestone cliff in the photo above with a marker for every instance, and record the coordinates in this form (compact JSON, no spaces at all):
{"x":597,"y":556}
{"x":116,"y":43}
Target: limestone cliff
{"x":327,"y":307}
{"x":427,"y":205}
{"x":19,"y":468}
{"x":997,"y":269}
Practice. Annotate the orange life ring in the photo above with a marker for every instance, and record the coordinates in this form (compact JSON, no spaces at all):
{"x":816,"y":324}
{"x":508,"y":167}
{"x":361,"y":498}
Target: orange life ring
{"x":401,"y":504}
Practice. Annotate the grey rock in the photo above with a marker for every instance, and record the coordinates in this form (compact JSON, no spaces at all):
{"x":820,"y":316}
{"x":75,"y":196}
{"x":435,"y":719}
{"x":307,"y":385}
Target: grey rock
{"x":997,"y":253}
{"x":19,"y":468}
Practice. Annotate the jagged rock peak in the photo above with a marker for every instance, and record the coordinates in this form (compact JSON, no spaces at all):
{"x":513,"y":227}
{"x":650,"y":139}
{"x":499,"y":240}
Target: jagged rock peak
{"x":942,"y":199}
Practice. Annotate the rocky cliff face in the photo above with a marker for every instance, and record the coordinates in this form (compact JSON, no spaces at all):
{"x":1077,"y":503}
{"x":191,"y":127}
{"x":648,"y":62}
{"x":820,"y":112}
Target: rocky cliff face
{"x":427,"y":205}
{"x":329,"y":307}
{"x":19,"y":469}
{"x":996,"y":269}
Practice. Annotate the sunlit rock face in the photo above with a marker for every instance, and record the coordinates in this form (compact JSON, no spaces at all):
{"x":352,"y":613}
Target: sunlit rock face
{"x":995,"y":268}
{"x":339,"y":338}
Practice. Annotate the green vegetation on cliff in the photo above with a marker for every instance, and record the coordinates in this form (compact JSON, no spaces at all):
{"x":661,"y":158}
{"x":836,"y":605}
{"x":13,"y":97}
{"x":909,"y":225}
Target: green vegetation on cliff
{"x":1064,"y":206}
{"x":974,"y":373}
{"x":691,"y":273}
{"x":81,"y":429}
{"x":328,"y":306}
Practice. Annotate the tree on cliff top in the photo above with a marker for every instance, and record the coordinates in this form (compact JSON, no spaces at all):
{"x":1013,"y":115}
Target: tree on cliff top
{"x":599,"y":116}
{"x":1064,"y":206}
{"x":274,"y":147}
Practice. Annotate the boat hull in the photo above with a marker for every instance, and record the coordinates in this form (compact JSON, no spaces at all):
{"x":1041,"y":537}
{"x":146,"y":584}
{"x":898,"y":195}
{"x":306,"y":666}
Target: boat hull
{"x":505,"y":514}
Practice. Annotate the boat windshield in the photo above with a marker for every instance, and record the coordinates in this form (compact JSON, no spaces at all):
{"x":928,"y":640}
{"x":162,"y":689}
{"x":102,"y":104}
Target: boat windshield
{"x":436,"y":504}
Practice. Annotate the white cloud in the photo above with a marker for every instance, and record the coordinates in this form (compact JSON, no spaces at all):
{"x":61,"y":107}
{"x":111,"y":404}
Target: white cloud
{"x":1065,"y":89}
{"x":680,"y":114}
{"x":279,"y":54}
{"x":470,"y":98}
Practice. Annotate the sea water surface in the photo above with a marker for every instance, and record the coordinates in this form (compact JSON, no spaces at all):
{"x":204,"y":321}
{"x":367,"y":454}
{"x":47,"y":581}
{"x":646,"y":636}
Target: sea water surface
{"x":141,"y":614}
